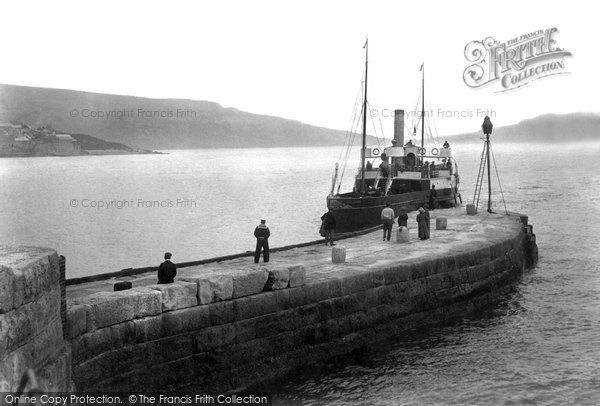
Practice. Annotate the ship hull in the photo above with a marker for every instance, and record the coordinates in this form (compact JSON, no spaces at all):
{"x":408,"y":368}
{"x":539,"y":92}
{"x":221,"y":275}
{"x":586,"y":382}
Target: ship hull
{"x":357,"y":213}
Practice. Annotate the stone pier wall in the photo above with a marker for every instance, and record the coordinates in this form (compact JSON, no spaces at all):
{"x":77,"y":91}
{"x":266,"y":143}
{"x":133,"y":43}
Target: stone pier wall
{"x":31,"y":331}
{"x":224,"y":333}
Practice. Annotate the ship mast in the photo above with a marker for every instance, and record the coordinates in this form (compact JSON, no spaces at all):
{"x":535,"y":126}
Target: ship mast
{"x":422,"y":112}
{"x":364,"y":129}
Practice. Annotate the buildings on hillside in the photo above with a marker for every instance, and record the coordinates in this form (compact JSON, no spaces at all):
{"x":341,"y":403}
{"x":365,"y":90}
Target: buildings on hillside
{"x":21,"y":140}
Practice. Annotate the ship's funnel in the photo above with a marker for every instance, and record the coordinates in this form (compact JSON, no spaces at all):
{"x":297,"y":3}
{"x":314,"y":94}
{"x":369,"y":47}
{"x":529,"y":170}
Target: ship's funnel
{"x":399,"y":127}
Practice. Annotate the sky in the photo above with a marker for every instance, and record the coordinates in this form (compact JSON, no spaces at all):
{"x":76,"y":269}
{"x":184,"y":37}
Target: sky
{"x":302,"y":60}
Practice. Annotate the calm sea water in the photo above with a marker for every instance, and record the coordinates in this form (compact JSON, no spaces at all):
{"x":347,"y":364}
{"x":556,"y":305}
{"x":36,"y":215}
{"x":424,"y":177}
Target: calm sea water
{"x":539,"y":346}
{"x":106,"y":213}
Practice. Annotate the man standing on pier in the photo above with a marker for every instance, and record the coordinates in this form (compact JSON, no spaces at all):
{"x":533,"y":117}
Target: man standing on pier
{"x":328,"y":220}
{"x":403,"y":218}
{"x":432,"y":197}
{"x":387,"y":216}
{"x":167,"y":270}
{"x":262,"y":235}
{"x":423,"y":222}
{"x":428,"y":216}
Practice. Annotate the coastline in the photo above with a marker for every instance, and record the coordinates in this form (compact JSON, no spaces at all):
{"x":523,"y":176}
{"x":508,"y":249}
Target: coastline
{"x":88,"y":153}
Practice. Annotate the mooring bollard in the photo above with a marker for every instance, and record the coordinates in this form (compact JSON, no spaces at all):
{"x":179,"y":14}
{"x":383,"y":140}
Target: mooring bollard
{"x":338,"y":255}
{"x":471,"y":209}
{"x":441,"y":223}
{"x":125,"y":285}
{"x":403,"y":235}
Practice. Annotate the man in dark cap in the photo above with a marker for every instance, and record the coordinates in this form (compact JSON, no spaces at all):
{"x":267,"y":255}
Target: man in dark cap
{"x":262,"y":235}
{"x":432,"y":197}
{"x":167,"y":270}
{"x":328,"y":220}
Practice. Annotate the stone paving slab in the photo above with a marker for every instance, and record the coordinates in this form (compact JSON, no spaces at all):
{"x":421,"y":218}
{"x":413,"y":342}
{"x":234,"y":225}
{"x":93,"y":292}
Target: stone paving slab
{"x":363,"y":253}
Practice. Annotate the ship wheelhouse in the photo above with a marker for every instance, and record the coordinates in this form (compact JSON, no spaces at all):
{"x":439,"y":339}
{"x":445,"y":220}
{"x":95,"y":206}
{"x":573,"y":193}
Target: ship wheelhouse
{"x":400,"y":170}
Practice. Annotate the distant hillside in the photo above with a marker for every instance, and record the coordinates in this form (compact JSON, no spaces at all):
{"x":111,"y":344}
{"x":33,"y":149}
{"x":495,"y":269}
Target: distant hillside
{"x":548,"y":128}
{"x":155,"y":123}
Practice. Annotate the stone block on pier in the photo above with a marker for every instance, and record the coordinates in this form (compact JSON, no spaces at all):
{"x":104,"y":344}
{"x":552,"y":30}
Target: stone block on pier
{"x":249,"y":282}
{"x":6,"y":289}
{"x":76,"y":320}
{"x":107,"y":308}
{"x":338,"y":254}
{"x":177,"y":295}
{"x":147,"y":302}
{"x":26,"y":273}
{"x":297,"y":275}
{"x":441,"y":223}
{"x":403,"y":235}
{"x":212,"y":288}
{"x":471,"y":209}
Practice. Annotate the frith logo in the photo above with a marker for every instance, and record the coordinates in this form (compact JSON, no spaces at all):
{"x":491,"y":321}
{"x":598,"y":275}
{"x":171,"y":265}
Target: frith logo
{"x":515,"y":63}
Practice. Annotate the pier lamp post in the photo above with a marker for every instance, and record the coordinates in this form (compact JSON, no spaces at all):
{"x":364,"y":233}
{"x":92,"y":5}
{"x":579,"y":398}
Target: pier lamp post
{"x":487,"y":127}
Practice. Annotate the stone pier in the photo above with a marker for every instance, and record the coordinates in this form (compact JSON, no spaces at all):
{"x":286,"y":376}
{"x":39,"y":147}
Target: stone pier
{"x":31,"y":331}
{"x":230,"y":324}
